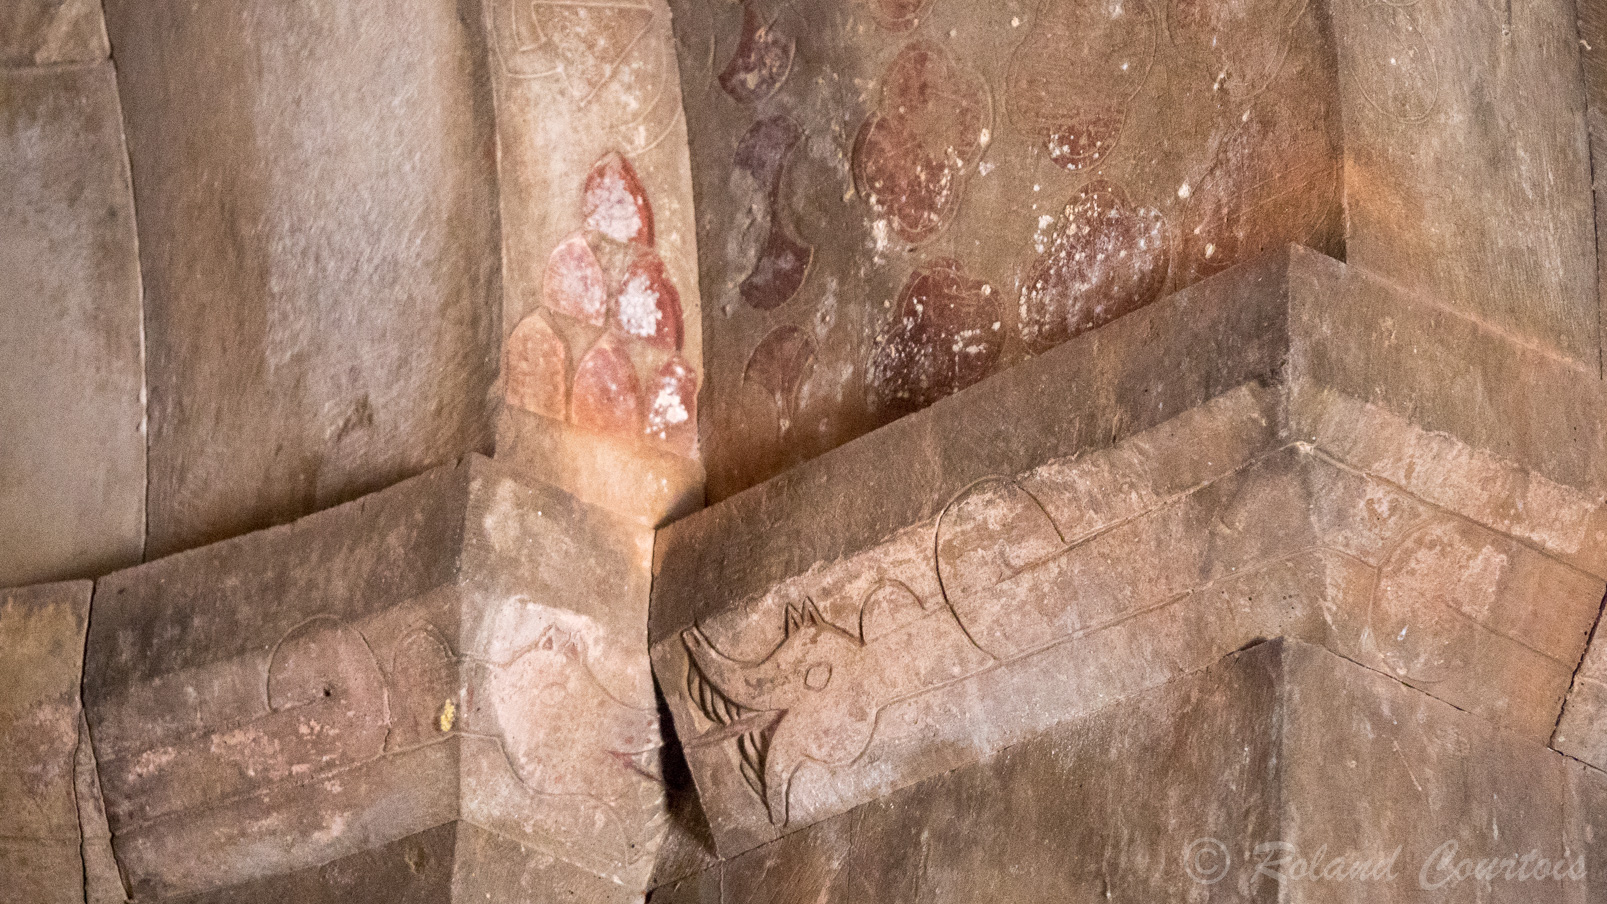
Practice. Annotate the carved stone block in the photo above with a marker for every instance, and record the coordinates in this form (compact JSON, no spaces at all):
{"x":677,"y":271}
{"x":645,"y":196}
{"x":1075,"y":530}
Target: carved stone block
{"x":48,"y":850}
{"x":1211,"y":787}
{"x":653,"y":486}
{"x":463,"y":647}
{"x":1263,"y":454}
{"x":457,"y":862}
{"x":317,"y":210}
{"x":72,"y":503}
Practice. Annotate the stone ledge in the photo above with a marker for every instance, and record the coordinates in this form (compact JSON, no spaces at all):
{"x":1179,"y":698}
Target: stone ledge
{"x":53,"y":846}
{"x":462,"y":647}
{"x":1280,"y":744}
{"x":1292,"y":447}
{"x":456,"y":862}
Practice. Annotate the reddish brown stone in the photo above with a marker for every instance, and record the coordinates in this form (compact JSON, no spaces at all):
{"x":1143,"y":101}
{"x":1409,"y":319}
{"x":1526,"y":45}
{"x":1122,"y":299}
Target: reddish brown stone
{"x":648,"y":307}
{"x":1242,"y":43}
{"x":911,"y":156}
{"x":1243,"y":781}
{"x":73,"y":446}
{"x":566,"y":733}
{"x":1272,"y":451}
{"x":608,"y":397}
{"x":884,"y":177}
{"x":574,"y":283}
{"x":783,"y":260}
{"x":762,"y":61}
{"x":43,"y":821}
{"x":1271,"y":182}
{"x":779,"y":273}
{"x":538,"y":368}
{"x":614,"y":202}
{"x":322,"y":255}
{"x":672,"y":406}
{"x":1070,"y":83}
{"x":897,"y":15}
{"x":424,"y":672}
{"x":946,"y":334}
{"x":780,"y":364}
{"x":1106,"y":259}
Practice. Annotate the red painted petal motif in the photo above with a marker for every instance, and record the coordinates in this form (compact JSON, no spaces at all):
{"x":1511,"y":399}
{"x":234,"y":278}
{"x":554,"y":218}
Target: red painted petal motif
{"x":537,"y":368}
{"x":574,"y":283}
{"x":608,"y":397}
{"x":615,"y":203}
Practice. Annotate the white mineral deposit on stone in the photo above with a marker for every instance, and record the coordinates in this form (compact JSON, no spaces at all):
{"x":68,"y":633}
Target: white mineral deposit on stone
{"x":668,"y":410}
{"x":638,"y":306}
{"x":616,"y":215}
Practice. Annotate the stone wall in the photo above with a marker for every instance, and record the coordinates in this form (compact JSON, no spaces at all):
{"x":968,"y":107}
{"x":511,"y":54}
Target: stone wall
{"x":604,"y":352}
{"x":1267,"y":457}
{"x":318,"y":230}
{"x":1129,"y":425}
{"x":72,"y":448}
{"x":1234,"y":783}
{"x":898,"y":199}
{"x":366,"y":234}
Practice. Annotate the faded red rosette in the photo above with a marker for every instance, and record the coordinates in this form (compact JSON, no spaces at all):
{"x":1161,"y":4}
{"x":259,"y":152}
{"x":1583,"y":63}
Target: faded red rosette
{"x":912,"y":153}
{"x":1105,"y":259}
{"x":945,"y":335}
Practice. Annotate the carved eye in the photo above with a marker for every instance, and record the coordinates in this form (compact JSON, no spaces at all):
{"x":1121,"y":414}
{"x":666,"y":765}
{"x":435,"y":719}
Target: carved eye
{"x":817,"y":677}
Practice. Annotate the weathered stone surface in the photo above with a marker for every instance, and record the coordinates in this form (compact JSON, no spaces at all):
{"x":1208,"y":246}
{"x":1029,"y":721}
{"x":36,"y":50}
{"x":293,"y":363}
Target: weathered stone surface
{"x":461,"y":647}
{"x":1059,"y":163}
{"x":649,"y":485}
{"x":1593,"y":61}
{"x":72,"y":501}
{"x":42,"y":851}
{"x":318,"y":230}
{"x":688,"y":846}
{"x":1283,"y":744}
{"x":1439,"y":197}
{"x":1073,"y":162}
{"x":450,"y":863}
{"x":600,"y":256}
{"x":103,"y":881}
{"x":1372,"y":766}
{"x":47,"y":32}
{"x":1582,"y":730}
{"x":413,"y":870}
{"x":1283,"y":462}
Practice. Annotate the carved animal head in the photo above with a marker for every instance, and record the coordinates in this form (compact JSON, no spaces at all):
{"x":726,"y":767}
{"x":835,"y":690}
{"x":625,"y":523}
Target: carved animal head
{"x":811,"y":652}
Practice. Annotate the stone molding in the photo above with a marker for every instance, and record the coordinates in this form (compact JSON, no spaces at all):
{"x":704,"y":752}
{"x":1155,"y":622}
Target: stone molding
{"x":1293,"y":448}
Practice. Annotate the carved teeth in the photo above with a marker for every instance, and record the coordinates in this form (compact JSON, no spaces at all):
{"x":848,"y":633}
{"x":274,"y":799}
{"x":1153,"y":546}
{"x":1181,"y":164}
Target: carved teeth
{"x":717,"y":707}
